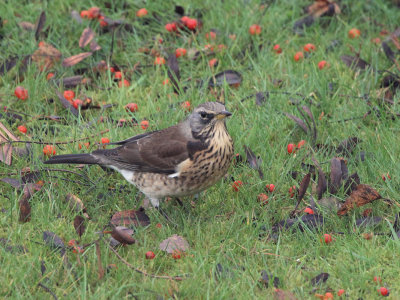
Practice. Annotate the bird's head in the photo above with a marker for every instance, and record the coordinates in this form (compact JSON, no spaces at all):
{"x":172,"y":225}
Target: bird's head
{"x":207,"y":115}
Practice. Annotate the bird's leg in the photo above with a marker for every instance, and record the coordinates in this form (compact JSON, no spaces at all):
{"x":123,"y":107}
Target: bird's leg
{"x":156,"y":204}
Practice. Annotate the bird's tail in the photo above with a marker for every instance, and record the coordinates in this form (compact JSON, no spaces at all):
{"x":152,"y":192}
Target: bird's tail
{"x":73,"y":159}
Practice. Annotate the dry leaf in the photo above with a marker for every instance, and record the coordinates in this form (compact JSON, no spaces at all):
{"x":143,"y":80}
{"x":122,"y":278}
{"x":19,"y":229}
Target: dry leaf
{"x":362,"y":195}
{"x":231,"y":77}
{"x":40,"y":24}
{"x":46,"y":56}
{"x":283,"y":295}
{"x":354,"y":62}
{"x":320,"y":278}
{"x":6,"y":149}
{"x":253,"y":161}
{"x":336,"y":175}
{"x":123,"y":235}
{"x":94,"y":46}
{"x":24,"y":210}
{"x":73,"y":60}
{"x":299,"y":121}
{"x":86,"y":37}
{"x":54,"y":241}
{"x":79,"y":225}
{"x":174,"y":243}
{"x":76,"y":204}
{"x":26,"y":26}
{"x":129,"y":217}
{"x":173,"y":71}
{"x":303,"y":186}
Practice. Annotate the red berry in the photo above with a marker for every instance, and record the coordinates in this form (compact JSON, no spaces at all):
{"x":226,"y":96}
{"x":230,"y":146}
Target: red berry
{"x":341,"y":292}
{"x":327,"y":238}
{"x":292,"y":191}
{"x":309,"y":47}
{"x":255,"y":29}
{"x":277,"y":48}
{"x":93,"y":13}
{"x":103,"y":23}
{"x":21,"y":93}
{"x":262,"y":198}
{"x":376,"y":41}
{"x":176,"y":254}
{"x":354,"y":33}
{"x":236,"y":185}
{"x":144,"y":124}
{"x":118,"y":75}
{"x":270,"y":187}
{"x":328,"y":296}
{"x":309,"y":211}
{"x":22,"y":129}
{"x":384,"y":291}
{"x":300,"y":144}
{"x":291,"y":148}
{"x":159,"y":60}
{"x":84,"y":14}
{"x":180,"y":52}
{"x":150,"y":255}
{"x":184,"y":19}
{"x":71,"y":243}
{"x":41,"y":44}
{"x":124,"y":83}
{"x":87,"y":144}
{"x":141,"y":12}
{"x":49,"y":76}
{"x":221,"y":47}
{"x":49,"y":150}
{"x":170,"y":27}
{"x":69,"y":95}
{"x":377,"y":279}
{"x":186,"y":105}
{"x":213,"y":62}
{"x":298,"y":56}
{"x":132,"y":107}
{"x":386,"y":176}
{"x":191,"y":24}
{"x":322,"y":64}
{"x":165,"y":81}
{"x":112,"y":69}
{"x":105,"y":140}
{"x":77,"y":103}
{"x":159,"y":225}
{"x":211,"y":35}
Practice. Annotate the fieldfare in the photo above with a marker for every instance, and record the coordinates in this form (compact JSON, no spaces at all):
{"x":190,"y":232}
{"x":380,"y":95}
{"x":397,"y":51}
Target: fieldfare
{"x":181,"y":160}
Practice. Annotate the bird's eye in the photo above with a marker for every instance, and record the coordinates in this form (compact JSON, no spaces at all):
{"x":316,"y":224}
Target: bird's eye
{"x":203,"y":115}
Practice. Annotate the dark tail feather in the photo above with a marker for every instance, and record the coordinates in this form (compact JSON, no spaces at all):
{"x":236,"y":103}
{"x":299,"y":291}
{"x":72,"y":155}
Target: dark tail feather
{"x":72,"y":159}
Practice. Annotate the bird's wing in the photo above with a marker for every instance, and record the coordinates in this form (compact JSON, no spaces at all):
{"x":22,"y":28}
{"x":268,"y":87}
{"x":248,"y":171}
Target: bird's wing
{"x":157,"y":152}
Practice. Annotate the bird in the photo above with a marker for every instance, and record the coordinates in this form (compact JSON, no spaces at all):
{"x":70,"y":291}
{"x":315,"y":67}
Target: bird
{"x":177,"y":161}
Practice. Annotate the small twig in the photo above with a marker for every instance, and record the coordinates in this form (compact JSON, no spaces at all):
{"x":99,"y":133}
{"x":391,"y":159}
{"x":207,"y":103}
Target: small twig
{"x":177,"y":278}
{"x":48,"y":290}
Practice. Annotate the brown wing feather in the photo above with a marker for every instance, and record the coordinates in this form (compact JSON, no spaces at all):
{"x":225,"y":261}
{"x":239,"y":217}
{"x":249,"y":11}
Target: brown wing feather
{"x":158,"y":152}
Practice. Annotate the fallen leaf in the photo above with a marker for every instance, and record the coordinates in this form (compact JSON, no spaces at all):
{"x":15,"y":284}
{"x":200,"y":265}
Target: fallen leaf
{"x":173,"y":243}
{"x":319,"y":279}
{"x":260,"y":98}
{"x":73,"y":60}
{"x":303,"y":186}
{"x":46,"y":56}
{"x":306,"y":221}
{"x":347,"y":146}
{"x":129,"y":217}
{"x":76,"y":204}
{"x":79,"y":225}
{"x":253,"y":161}
{"x":8,"y":64}
{"x":11,"y":248}
{"x":24,"y":205}
{"x":299,"y":121}
{"x":26,"y":26}
{"x":15,"y":183}
{"x":368,"y":221}
{"x":123,"y":235}
{"x":330,"y":203}
{"x":336,"y":175}
{"x":230,"y":76}
{"x":40,"y":24}
{"x":71,"y":82}
{"x":76,"y":16}
{"x":173,"y":71}
{"x":94,"y":46}
{"x":283,"y":295}
{"x":67,"y":104}
{"x":388,"y":52}
{"x":266,"y":277}
{"x":362,"y":195}
{"x":54,"y":241}
{"x":86,"y":37}
{"x":351,"y":183}
{"x":354,"y":62}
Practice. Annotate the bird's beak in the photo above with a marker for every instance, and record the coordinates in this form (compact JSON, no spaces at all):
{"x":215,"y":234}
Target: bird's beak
{"x":223,"y":114}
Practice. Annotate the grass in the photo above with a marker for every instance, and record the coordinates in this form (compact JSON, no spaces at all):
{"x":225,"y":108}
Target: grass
{"x":222,"y":227}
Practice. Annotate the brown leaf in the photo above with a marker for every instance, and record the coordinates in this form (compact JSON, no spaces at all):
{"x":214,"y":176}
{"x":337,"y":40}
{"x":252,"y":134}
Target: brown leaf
{"x":253,"y":161}
{"x":231,"y":77}
{"x":79,"y":225}
{"x":320,"y":278}
{"x":94,"y":46}
{"x":26,"y":26}
{"x":303,"y":187}
{"x":8,"y":64}
{"x":354,"y":62}
{"x":24,"y":209}
{"x":298,"y":121}
{"x":174,"y":243}
{"x":123,"y":235}
{"x":173,"y":71}
{"x":283,"y":295}
{"x":40,"y":24}
{"x":129,"y":217}
{"x":73,"y":60}
{"x":71,"y":82}
{"x":336,"y":175}
{"x":362,"y":195}
{"x":46,"y":56}
{"x":388,"y":52}
{"x":6,"y":149}
{"x":351,"y":183}
{"x":330,"y":203}
{"x":76,"y":16}
{"x":347,"y":146}
{"x":322,"y":186}
{"x":86,"y":37}
{"x":99,"y":264}
{"x":67,"y":104}
{"x":76,"y":204}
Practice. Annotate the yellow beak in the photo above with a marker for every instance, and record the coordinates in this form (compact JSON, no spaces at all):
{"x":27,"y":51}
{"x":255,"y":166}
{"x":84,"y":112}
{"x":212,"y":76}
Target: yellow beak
{"x":223,"y":114}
